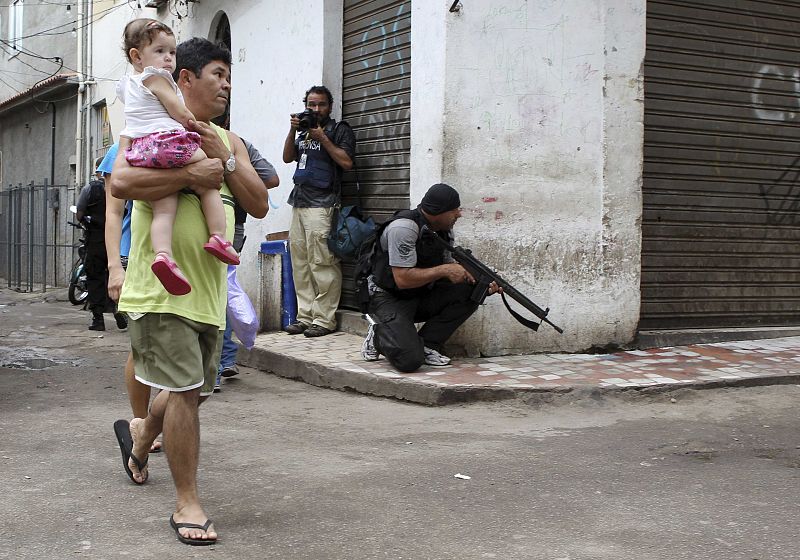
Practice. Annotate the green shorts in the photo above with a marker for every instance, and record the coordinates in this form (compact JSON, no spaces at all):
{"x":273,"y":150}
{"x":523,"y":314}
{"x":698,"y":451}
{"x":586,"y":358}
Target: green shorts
{"x":174,"y":353}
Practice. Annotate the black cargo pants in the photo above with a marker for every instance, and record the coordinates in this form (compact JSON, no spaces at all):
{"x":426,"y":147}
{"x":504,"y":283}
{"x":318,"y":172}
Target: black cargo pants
{"x":443,"y":309}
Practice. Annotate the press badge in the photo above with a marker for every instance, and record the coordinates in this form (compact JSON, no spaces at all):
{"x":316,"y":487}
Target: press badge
{"x":302,"y":164}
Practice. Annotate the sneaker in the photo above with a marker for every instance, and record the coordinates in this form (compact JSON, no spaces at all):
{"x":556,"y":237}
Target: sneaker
{"x":217,"y":384}
{"x":316,"y":330}
{"x":434,"y":358}
{"x":122,"y":321}
{"x":230,"y":371}
{"x":368,"y":351}
{"x":97,"y":324}
{"x":296,"y":328}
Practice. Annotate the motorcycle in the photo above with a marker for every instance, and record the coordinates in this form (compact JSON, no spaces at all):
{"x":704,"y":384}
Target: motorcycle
{"x":78,"y":290}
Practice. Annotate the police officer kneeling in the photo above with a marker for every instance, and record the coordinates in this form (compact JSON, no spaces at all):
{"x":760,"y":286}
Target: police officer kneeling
{"x":414,"y":280}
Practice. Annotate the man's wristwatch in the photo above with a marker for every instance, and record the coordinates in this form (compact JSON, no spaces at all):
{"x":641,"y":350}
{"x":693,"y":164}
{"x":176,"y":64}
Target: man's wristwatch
{"x":230,"y":164}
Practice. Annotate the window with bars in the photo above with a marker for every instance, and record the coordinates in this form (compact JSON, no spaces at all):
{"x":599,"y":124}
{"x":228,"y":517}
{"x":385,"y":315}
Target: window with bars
{"x":102,"y":138}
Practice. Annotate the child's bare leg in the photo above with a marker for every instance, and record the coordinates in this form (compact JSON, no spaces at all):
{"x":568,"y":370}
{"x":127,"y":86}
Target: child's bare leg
{"x":164,"y":267}
{"x":164,"y":211}
{"x":198,"y":155}
{"x":214,"y":211}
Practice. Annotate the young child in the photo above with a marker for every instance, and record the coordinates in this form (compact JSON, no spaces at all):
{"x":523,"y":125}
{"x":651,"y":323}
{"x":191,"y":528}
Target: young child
{"x":156,"y":120}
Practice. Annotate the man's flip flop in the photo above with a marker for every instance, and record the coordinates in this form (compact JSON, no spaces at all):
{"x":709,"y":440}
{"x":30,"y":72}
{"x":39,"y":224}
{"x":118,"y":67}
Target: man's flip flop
{"x":187,"y":540}
{"x":165,"y":270}
{"x":122,"y":429}
{"x":217,"y":247}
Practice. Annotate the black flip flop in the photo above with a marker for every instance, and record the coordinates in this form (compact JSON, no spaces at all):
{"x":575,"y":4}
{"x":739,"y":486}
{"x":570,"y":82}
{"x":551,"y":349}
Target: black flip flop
{"x":187,"y":540}
{"x":122,"y":430}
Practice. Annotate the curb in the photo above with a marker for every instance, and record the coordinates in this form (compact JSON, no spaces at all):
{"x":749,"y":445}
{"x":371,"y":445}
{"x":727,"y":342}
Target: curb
{"x":439,"y":394}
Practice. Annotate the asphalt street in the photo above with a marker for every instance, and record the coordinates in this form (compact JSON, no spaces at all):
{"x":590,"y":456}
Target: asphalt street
{"x":292,"y":471}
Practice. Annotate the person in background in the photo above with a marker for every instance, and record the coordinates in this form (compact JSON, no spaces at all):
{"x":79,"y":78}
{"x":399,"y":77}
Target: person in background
{"x":91,"y":211}
{"x":266,"y":172}
{"x":118,"y":245}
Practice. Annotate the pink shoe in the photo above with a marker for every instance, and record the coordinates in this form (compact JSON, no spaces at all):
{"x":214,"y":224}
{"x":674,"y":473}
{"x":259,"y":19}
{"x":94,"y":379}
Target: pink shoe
{"x":217,"y":246}
{"x":170,"y":275}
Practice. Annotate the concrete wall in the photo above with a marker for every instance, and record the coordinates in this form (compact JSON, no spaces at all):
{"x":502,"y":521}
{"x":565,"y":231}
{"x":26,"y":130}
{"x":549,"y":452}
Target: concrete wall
{"x":27,"y":130}
{"x":16,"y":72}
{"x":540,"y":129}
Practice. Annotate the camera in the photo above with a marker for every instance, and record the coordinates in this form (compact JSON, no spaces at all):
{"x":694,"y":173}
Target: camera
{"x":308,"y":119}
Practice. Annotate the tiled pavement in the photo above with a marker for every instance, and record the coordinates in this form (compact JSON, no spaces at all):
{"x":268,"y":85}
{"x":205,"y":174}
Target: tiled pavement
{"x":334,"y":361}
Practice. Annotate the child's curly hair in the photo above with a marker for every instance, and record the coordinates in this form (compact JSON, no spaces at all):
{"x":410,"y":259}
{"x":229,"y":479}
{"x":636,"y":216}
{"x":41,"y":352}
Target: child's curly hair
{"x":140,"y":32}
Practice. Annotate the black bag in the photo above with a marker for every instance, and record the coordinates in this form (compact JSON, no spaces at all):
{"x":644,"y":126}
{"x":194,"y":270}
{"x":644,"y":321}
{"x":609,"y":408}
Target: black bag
{"x":349,"y":230}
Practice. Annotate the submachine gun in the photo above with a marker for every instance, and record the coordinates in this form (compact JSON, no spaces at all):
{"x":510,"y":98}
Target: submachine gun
{"x":484,"y":276}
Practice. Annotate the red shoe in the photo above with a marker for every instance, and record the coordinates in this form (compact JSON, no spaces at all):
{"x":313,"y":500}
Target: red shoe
{"x":217,"y":246}
{"x":168,"y":273}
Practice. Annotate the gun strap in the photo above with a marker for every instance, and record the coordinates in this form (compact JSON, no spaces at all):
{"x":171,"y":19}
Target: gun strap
{"x":527,"y":322}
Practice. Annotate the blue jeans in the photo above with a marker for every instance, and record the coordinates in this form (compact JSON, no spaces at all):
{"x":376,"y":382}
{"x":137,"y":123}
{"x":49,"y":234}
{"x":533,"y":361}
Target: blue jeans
{"x":227,"y":358}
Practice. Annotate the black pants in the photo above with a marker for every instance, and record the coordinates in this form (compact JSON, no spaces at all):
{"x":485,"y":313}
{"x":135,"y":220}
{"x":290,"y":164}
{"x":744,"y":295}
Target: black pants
{"x":97,"y":278}
{"x":443,"y":309}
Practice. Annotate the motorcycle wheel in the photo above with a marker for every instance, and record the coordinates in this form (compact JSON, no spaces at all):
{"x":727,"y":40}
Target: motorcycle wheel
{"x":77,"y":292}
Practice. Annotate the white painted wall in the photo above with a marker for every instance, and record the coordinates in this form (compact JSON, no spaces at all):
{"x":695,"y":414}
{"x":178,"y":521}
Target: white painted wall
{"x":540,"y":108}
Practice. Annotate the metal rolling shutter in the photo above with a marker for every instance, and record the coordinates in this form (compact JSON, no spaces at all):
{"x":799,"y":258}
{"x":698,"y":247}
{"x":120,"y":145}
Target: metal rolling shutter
{"x":721,"y":229}
{"x":376,"y":101}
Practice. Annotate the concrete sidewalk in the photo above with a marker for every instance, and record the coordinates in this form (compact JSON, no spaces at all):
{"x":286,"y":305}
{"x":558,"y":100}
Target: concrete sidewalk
{"x":334,"y":361}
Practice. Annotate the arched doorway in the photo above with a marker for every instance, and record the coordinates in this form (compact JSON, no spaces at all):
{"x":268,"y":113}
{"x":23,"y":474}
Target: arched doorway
{"x":221,"y":34}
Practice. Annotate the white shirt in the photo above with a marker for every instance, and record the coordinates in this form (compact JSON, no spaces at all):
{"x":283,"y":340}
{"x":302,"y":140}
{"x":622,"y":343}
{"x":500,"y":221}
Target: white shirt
{"x":144,"y":113}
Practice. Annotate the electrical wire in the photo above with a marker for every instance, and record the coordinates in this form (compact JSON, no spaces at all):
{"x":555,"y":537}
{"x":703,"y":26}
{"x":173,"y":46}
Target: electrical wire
{"x":95,"y":17}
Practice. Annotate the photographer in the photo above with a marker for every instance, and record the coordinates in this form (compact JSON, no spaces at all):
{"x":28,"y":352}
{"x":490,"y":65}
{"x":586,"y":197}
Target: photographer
{"x":323,"y":150}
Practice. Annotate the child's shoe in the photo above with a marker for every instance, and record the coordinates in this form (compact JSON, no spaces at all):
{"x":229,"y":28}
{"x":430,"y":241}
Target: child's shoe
{"x":222,"y":249}
{"x":168,"y":273}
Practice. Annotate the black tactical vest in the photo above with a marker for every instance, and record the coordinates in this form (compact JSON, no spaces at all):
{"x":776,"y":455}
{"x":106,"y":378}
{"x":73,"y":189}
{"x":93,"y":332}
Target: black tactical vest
{"x":429,"y":254}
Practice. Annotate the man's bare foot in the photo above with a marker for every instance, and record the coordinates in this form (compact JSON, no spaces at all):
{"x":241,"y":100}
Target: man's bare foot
{"x":194,"y":526}
{"x":157,"y":447}
{"x":139,"y":453}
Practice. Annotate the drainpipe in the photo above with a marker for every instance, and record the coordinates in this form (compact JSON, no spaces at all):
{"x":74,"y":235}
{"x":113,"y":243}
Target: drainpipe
{"x":52,"y":185}
{"x":81,"y":89}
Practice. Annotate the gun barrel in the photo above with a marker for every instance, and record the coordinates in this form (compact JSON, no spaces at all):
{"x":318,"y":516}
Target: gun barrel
{"x":479,"y":270}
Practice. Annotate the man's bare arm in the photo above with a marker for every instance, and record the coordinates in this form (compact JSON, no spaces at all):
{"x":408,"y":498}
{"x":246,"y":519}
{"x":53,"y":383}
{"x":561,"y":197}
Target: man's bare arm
{"x":408,"y":278}
{"x":115,"y":208}
{"x":141,"y":183}
{"x":245,"y":184}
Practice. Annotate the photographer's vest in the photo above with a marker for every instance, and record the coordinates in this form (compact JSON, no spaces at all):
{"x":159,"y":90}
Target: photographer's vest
{"x":429,"y":254}
{"x":315,"y":167}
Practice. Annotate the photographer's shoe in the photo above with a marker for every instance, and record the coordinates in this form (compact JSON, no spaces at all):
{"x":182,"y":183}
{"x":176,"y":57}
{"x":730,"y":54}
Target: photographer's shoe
{"x":368,"y":351}
{"x":316,"y":330}
{"x":296,"y":328}
{"x":434,"y":358}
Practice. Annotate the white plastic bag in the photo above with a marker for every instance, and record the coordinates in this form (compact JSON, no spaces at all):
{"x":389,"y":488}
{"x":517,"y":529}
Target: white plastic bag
{"x":241,"y":313}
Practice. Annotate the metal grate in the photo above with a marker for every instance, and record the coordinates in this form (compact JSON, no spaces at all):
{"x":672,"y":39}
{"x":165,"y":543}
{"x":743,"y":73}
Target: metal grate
{"x":721,"y":231}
